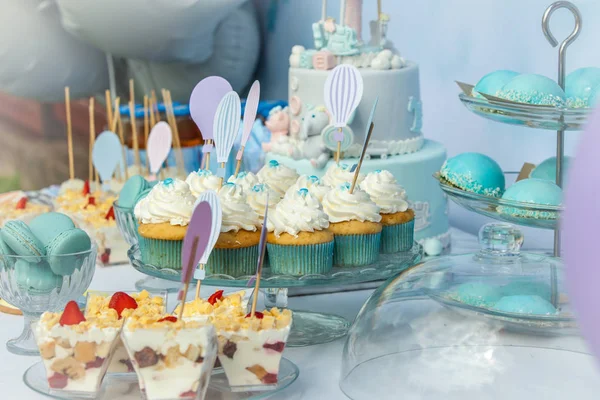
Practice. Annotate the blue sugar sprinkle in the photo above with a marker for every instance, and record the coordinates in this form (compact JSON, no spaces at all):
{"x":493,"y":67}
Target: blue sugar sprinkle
{"x":377,"y":171}
{"x":258,"y":188}
{"x":313,"y":178}
{"x":345,"y":186}
{"x":273,"y":163}
{"x":242,"y":174}
{"x":168,"y":181}
{"x":303,"y":191}
{"x":203,"y":172}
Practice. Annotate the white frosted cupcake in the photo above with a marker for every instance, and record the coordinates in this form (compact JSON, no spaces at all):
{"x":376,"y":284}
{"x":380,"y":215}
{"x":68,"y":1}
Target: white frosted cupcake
{"x":202,"y":180}
{"x":355,"y":222}
{"x":236,"y":250}
{"x":397,"y":219}
{"x":277,"y":176}
{"x":299,"y":242}
{"x":245,"y":179}
{"x":257,"y":198}
{"x":313,"y":184}
{"x":338,"y":174}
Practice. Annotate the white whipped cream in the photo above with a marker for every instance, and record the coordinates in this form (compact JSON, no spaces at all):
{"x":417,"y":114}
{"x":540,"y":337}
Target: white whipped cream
{"x":341,"y":205}
{"x":257,"y":198}
{"x":385,"y":191}
{"x":169,"y":201}
{"x":245,"y":179}
{"x":277,"y":176}
{"x":338,"y":174}
{"x":313,"y":184}
{"x":75,"y":185}
{"x":299,"y":211}
{"x":237,"y":213}
{"x":202,"y":180}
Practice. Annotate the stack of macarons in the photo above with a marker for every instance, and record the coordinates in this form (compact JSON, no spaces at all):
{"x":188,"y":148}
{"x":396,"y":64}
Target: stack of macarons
{"x":41,"y":250}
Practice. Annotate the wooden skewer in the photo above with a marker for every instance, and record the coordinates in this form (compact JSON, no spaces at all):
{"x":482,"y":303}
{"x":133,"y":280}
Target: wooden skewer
{"x":255,"y":297}
{"x":222,"y":166}
{"x":337,"y":153}
{"x":378,"y":10}
{"x":146,"y":131}
{"x":109,"y":113}
{"x":198,"y":284}
{"x":360,"y":161}
{"x":179,"y":163}
{"x":92,"y":139}
{"x":187,"y":284}
{"x":136,"y":145}
{"x":207,"y":156}
{"x":151,"y":112}
{"x":131,"y":92}
{"x":155,"y":108}
{"x":239,"y":162}
{"x":118,"y":123}
{"x":69,"y":133}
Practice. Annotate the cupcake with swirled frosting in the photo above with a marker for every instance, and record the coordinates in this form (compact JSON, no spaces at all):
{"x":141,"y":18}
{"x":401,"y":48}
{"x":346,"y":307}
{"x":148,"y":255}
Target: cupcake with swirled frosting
{"x":163,"y":216}
{"x":397,"y":219}
{"x":277,"y":176}
{"x":299,"y":241}
{"x":245,"y":179}
{"x":355,"y":222}
{"x":202,"y":180}
{"x":338,"y":174}
{"x":236,"y":250}
{"x":313,"y":184}
{"x":257,"y":198}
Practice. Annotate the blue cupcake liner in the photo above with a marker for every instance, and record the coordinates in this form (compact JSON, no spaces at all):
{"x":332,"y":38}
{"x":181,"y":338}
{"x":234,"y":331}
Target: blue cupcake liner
{"x":161,"y":253}
{"x":233,"y":262}
{"x":300,"y":259}
{"x":396,"y":238}
{"x":356,"y":250}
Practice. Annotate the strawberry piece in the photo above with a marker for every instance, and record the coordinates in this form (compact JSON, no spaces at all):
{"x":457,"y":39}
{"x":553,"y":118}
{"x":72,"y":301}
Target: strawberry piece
{"x":86,"y":188}
{"x":58,"y":381}
{"x":72,"y":315}
{"x":105,"y":257}
{"x":97,"y":363}
{"x":189,"y":393}
{"x":21,"y":204}
{"x":169,"y":318}
{"x":120,"y":301}
{"x":277,"y":346}
{"x":269,"y":379}
{"x":257,"y":314}
{"x":218,"y":295}
{"x":91,"y":201}
{"x":110,"y":214}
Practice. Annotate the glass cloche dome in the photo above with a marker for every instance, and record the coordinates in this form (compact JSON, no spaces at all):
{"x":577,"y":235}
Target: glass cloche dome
{"x":491,"y":325}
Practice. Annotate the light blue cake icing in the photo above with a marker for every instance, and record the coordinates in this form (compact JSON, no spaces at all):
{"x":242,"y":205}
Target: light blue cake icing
{"x":547,"y":169}
{"x":414,"y":172}
{"x":535,"y":191}
{"x":474,"y":172}
{"x":493,"y":82}
{"x":530,"y":288}
{"x":594,"y":97}
{"x":533,"y":89}
{"x":579,"y":85}
{"x":477,"y":294}
{"x":525,"y":304}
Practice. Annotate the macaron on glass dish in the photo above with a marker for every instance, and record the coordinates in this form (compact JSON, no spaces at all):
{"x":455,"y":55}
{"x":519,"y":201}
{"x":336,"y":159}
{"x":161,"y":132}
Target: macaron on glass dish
{"x":533,"y":89}
{"x":547,"y":169}
{"x":579,"y":85}
{"x":474,"y":172}
{"x":493,"y":82}
{"x":534,"y":191}
{"x":43,"y":266}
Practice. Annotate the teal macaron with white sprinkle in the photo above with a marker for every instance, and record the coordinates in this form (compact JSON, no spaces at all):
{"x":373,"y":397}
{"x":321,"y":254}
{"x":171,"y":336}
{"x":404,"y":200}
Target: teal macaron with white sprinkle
{"x":474,"y":172}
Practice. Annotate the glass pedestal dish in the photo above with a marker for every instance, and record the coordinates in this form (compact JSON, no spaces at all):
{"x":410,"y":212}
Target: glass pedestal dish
{"x":308,"y":327}
{"x":491,"y":325}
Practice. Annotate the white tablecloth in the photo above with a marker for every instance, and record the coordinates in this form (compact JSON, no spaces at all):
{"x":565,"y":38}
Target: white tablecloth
{"x":319,"y":365}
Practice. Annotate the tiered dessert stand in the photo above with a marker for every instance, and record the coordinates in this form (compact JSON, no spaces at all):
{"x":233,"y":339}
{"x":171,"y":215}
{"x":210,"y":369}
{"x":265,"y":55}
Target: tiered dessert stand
{"x":560,"y":119}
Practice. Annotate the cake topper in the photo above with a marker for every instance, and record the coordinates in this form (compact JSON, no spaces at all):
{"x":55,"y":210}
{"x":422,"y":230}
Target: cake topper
{"x":106,"y":154}
{"x":158,"y":147}
{"x":225,"y":128}
{"x":249,"y":118}
{"x":146,"y":128}
{"x":136,"y":144}
{"x":92,"y":142}
{"x":262,"y":247}
{"x":343,"y":92}
{"x":194,"y":244}
{"x":168,"y":102}
{"x":370,"y":127}
{"x":204,"y":101}
{"x":69,"y":133}
{"x":212,"y":198}
{"x":113,"y":128}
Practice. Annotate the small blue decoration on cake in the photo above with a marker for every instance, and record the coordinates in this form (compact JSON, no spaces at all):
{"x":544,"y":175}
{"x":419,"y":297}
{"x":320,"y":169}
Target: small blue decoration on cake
{"x":525,"y":304}
{"x":476,"y":294}
{"x":474,"y":172}
{"x":203,"y":172}
{"x":415,"y":106}
{"x":547,"y":169}
{"x":259,"y":188}
{"x":493,"y":82}
{"x":533,"y":89}
{"x":345,"y":186}
{"x":273,"y":163}
{"x":306,"y":58}
{"x":168,"y":181}
{"x":303,"y":191}
{"x":579,"y":85}
{"x":534,"y":191}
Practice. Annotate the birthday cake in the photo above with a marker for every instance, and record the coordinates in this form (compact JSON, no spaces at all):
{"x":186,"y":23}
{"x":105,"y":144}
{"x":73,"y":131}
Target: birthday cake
{"x":303,"y":133}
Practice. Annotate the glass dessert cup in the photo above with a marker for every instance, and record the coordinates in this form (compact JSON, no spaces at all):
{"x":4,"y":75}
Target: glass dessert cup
{"x":495,"y":324}
{"x":126,"y":223}
{"x":29,"y":284}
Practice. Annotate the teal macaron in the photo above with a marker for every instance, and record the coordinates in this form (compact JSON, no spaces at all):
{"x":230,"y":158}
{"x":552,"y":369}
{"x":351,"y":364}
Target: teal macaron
{"x":130,"y":191}
{"x":142,"y":195}
{"x":37,"y":277}
{"x":4,"y":249}
{"x":19,"y":238}
{"x":72,"y":241}
{"x":49,"y":225}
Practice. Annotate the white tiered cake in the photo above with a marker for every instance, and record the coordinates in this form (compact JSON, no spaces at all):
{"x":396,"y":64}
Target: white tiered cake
{"x":397,"y":143}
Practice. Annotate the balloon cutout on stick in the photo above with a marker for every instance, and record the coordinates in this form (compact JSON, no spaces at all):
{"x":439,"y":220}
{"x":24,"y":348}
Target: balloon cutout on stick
{"x":343,"y":92}
{"x":159,"y":146}
{"x":370,"y":127}
{"x":212,"y":198}
{"x":249,"y":118}
{"x":204,"y":101}
{"x":106,"y":154}
{"x":581,"y":216}
{"x":226,"y":127}
{"x":262,"y":249}
{"x":194,"y":244}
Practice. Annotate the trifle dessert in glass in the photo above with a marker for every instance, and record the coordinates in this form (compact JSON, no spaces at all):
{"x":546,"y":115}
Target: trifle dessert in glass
{"x":202,"y":310}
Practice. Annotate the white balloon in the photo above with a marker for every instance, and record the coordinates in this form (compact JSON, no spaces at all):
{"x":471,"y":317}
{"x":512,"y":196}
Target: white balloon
{"x":39,"y":58}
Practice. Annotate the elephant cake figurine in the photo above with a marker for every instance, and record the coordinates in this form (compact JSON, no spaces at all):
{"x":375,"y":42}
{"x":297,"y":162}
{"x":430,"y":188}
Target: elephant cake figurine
{"x":309,"y":143}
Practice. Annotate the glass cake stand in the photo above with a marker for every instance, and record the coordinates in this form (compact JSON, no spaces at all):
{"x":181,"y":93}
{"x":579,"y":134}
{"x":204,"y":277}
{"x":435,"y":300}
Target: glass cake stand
{"x":308,"y":327}
{"x":515,"y":212}
{"x":125,"y":387}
